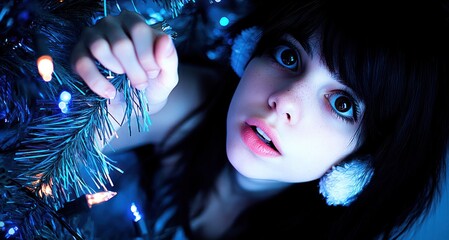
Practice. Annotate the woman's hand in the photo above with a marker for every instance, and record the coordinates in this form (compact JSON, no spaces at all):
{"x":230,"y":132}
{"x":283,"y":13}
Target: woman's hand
{"x":126,"y":44}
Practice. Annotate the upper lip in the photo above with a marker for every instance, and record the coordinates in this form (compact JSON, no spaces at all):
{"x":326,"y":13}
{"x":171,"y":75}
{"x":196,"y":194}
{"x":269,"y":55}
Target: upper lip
{"x":267,"y":130}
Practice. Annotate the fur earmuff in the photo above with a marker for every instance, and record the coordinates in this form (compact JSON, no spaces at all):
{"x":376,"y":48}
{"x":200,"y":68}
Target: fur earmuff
{"x":342,"y":183}
{"x":243,"y":48}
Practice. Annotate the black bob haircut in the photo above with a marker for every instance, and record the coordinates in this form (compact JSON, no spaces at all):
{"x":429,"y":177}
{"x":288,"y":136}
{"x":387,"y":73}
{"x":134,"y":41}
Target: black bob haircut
{"x":395,"y":57}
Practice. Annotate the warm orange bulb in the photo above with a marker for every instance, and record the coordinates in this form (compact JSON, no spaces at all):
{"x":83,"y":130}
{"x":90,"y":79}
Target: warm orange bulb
{"x":45,"y":67}
{"x":99,"y":197}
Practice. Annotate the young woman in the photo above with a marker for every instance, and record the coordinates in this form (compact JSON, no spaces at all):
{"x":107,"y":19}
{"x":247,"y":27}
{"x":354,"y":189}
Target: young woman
{"x":336,"y":129}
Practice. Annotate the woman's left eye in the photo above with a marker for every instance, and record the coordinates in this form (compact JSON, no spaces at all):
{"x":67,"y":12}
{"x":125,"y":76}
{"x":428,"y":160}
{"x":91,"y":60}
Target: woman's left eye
{"x":286,"y":57}
{"x":344,"y":105}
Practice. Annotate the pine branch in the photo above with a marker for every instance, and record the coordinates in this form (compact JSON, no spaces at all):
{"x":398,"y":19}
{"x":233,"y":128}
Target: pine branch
{"x":48,"y":156}
{"x":175,"y":6}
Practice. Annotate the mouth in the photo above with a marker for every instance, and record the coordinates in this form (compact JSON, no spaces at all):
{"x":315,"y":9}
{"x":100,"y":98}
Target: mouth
{"x":264,"y":137}
{"x":259,"y":140}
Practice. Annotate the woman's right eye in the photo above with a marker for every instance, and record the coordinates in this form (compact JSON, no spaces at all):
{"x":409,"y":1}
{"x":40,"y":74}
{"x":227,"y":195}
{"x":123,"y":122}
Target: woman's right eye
{"x":287,"y":57}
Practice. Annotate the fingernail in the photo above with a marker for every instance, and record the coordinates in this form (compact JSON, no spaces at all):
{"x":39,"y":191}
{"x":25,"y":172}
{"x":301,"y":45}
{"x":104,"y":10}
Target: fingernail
{"x":110,"y":93}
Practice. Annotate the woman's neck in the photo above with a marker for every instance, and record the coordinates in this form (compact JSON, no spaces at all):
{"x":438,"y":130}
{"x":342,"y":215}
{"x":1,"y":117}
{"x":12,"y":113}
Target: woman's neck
{"x":255,"y":188}
{"x":233,"y":194}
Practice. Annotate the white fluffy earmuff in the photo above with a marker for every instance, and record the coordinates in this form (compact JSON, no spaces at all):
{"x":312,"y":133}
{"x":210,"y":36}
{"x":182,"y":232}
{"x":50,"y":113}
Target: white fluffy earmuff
{"x":243,"y":48}
{"x":342,"y":183}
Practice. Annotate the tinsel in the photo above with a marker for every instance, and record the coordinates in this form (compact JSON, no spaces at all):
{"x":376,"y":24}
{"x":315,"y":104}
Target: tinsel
{"x":48,"y":157}
{"x":174,"y":6}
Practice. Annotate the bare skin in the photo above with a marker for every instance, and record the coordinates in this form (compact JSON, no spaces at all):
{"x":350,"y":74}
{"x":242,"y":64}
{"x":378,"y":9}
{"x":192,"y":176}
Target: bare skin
{"x":292,"y":106}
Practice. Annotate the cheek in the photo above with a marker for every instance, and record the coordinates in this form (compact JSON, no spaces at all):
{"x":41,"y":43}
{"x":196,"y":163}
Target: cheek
{"x":250,"y":92}
{"x":311,"y":155}
{"x":258,"y":78}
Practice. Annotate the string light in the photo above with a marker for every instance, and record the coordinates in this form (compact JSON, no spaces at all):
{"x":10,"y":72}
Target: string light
{"x":139,"y":224}
{"x":44,"y":59}
{"x":64,"y":98}
{"x":84,"y":203}
{"x":224,"y":21}
{"x":135,"y":212}
{"x":45,"y":67}
{"x":100,"y":197}
{"x":11,"y":232}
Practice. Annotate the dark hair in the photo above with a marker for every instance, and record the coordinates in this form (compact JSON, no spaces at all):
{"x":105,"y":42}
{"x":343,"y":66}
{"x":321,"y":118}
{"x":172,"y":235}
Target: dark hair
{"x":395,"y":57}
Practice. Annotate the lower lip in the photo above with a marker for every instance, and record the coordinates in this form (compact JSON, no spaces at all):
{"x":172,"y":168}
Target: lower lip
{"x":255,"y":144}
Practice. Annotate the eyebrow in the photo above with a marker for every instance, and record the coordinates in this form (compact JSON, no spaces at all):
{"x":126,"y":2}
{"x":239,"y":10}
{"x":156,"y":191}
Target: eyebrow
{"x":304,"y":45}
{"x":338,"y":78}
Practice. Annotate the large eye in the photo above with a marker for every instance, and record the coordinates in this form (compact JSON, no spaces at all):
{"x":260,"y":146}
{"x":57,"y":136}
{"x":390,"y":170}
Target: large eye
{"x":343,"y":105}
{"x":286,"y":57}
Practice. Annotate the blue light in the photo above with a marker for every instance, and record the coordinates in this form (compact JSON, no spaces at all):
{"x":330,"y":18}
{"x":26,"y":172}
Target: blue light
{"x":65,"y":96}
{"x":62,"y":105}
{"x":65,"y":110}
{"x":135,"y":212}
{"x":133,"y":208}
{"x":137,"y":217}
{"x":11,"y":232}
{"x":224,"y":21}
{"x":211,"y":55}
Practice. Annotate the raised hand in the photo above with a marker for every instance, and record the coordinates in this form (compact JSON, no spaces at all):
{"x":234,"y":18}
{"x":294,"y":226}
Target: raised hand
{"x":126,"y":44}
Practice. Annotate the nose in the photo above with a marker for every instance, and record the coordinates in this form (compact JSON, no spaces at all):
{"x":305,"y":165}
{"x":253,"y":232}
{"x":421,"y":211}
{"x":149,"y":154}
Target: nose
{"x":286,"y":104}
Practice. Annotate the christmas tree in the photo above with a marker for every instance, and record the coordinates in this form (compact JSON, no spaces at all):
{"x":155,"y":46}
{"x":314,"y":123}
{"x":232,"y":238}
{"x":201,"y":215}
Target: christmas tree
{"x":49,"y":119}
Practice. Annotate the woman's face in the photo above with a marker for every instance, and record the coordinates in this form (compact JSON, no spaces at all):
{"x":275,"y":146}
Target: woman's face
{"x":290,"y":119}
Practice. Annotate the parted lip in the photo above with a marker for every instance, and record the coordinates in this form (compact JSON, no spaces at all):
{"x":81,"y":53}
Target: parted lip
{"x":254,"y":122}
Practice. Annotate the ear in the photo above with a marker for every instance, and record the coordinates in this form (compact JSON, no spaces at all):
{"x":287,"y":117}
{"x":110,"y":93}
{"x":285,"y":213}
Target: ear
{"x":342,"y":183}
{"x":243,"y":48}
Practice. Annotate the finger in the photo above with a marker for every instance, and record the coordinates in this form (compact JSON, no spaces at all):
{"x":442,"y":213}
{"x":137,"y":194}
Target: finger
{"x":101,"y":50}
{"x":143,"y":37}
{"x":122,"y":48}
{"x":86,"y":68}
{"x":166,"y":57}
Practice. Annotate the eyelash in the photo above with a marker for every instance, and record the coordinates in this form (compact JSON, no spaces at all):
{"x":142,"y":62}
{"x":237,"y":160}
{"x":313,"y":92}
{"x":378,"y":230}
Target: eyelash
{"x":354,"y":103}
{"x":290,"y":46}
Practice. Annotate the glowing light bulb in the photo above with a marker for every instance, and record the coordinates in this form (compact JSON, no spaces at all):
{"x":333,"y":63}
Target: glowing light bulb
{"x":62,"y":105}
{"x":135,"y":212}
{"x":45,"y":67}
{"x":11,"y":232}
{"x":99,"y":197}
{"x":224,"y":21}
{"x":65,"y":96}
{"x":133,"y":208}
